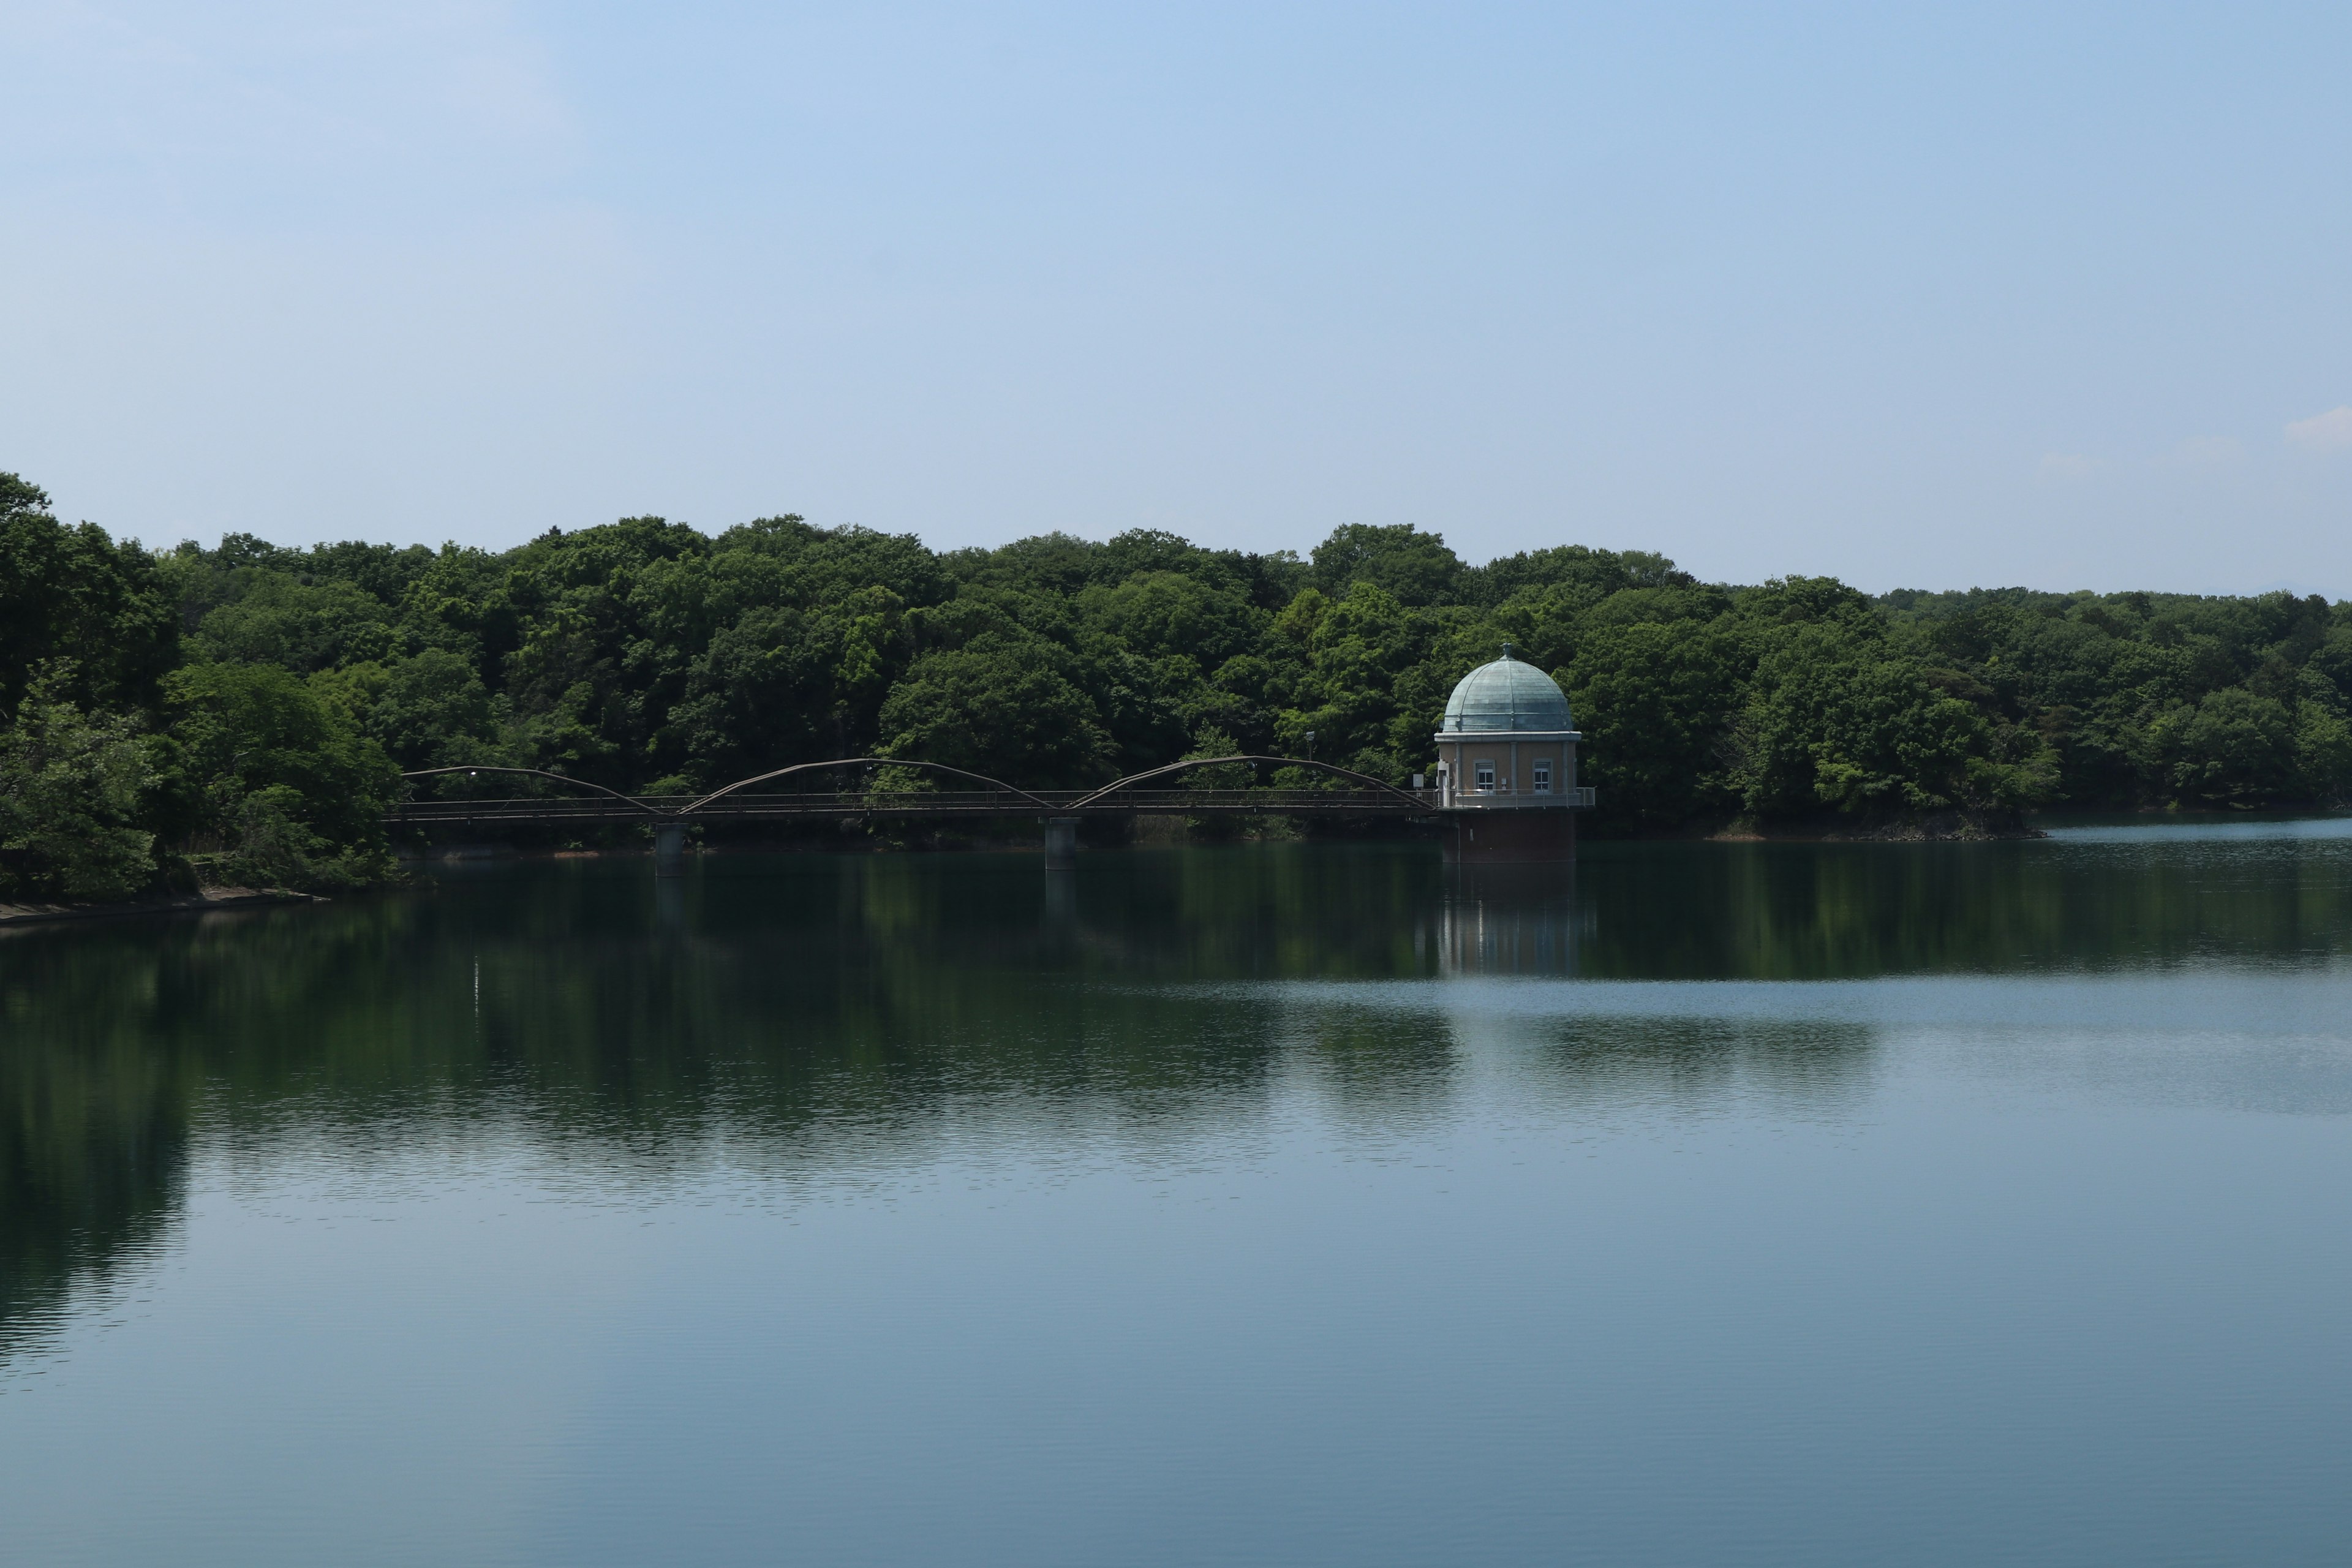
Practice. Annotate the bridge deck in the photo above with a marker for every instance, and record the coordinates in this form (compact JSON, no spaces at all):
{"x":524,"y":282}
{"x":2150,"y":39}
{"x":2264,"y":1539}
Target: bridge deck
{"x":947,"y":803}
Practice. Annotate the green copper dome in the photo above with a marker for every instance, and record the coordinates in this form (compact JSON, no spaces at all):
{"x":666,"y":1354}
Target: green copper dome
{"x":1507,"y":694}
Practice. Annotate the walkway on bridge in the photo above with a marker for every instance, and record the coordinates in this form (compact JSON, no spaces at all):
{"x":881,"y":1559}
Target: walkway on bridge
{"x":963,"y":796}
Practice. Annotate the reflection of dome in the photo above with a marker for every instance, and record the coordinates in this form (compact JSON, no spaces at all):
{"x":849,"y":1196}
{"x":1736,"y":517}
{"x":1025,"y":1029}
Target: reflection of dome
{"x":1507,"y":694}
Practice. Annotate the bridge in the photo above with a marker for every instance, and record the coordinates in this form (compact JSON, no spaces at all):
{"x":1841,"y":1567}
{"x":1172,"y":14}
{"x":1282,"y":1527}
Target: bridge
{"x":961,"y":795}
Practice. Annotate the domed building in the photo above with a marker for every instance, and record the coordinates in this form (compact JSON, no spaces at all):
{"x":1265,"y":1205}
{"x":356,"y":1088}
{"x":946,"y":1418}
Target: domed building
{"x":1507,"y":766}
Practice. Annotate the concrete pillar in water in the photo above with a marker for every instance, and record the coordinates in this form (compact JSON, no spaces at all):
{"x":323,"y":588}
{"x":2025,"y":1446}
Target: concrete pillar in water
{"x":1061,"y":844}
{"x":669,"y":849}
{"x":1510,"y":838}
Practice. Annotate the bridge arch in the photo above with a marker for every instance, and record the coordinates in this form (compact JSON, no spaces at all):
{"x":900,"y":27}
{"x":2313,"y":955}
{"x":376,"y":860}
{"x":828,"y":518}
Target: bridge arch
{"x":1332,"y":768}
{"x":1090,"y":798}
{"x":537,"y":774}
{"x":692,"y":806}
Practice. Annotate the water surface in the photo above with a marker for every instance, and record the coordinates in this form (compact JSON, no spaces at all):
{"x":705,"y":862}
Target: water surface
{"x":1758,"y":1204}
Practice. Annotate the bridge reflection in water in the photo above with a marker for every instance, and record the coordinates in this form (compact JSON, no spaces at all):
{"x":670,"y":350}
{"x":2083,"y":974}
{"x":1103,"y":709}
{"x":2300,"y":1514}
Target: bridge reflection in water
{"x":818,"y":1012}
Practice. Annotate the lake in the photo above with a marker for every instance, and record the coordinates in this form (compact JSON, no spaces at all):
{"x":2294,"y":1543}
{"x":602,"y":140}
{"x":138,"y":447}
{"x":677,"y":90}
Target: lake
{"x":1279,"y":1204}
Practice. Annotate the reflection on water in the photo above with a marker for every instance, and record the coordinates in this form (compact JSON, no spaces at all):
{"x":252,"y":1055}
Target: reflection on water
{"x":2180,"y":831}
{"x":803,"y":993}
{"x":796,"y":1016}
{"x":1507,"y":919}
{"x":798,"y":993}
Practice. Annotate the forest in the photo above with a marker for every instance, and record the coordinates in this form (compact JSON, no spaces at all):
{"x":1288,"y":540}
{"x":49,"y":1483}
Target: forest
{"x":243,"y":714}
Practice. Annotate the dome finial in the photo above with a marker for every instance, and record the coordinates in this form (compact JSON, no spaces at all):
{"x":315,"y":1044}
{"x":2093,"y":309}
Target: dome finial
{"x":1506,"y":650}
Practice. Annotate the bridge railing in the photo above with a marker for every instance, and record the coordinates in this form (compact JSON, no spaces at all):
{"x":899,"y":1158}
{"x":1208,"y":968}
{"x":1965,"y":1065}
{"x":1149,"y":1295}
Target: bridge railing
{"x":523,"y":808}
{"x":1268,"y":802}
{"x":923,"y":802}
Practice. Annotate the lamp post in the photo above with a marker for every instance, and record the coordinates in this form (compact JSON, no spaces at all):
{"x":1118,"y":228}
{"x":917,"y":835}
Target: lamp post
{"x":1310,"y":745}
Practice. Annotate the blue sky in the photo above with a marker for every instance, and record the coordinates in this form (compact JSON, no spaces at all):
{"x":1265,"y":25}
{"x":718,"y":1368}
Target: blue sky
{"x":1931,"y":297}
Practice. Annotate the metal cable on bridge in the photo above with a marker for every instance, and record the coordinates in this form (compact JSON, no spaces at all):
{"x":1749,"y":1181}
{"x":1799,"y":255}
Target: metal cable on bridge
{"x":1332,"y":768}
{"x":692,"y":806}
{"x":647,"y":808}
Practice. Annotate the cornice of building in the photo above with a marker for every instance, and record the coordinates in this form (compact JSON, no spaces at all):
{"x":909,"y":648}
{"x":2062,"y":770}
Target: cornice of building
{"x":1510,"y":734}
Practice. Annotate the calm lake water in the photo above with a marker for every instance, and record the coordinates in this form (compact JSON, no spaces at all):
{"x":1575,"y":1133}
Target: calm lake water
{"x":1732,"y":1203}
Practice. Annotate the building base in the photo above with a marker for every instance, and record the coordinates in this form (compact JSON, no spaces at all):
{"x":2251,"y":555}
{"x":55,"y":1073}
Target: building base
{"x":1522,"y":837}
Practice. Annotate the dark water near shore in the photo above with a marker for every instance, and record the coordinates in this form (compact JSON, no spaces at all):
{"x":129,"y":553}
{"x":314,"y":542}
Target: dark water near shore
{"x":1741,"y":1204}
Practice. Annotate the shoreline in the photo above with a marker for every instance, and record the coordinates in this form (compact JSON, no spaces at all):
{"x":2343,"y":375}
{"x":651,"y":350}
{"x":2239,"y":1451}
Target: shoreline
{"x":205,"y":903}
{"x":1936,"y":827}
{"x":1926,"y":828}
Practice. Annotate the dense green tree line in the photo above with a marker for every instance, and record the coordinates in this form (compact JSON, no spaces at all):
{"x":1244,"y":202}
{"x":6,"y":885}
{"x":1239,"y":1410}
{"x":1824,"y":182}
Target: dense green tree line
{"x":252,"y":705}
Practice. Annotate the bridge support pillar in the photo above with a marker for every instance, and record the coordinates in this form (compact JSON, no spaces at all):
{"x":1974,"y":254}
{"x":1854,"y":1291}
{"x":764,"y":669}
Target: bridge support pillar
{"x":669,"y":849}
{"x":1061,"y":844}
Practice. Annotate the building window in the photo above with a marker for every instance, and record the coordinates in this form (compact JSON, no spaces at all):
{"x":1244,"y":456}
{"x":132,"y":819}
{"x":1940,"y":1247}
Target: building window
{"x":1485,"y":774}
{"x":1543,"y":778}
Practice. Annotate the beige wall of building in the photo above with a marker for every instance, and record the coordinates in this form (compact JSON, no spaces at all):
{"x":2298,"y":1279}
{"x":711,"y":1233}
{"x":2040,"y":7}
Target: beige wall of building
{"x":1523,"y":767}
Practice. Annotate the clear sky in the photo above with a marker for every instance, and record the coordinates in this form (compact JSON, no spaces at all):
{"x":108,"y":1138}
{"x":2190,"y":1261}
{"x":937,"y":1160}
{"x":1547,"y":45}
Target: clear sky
{"x":1931,"y":296}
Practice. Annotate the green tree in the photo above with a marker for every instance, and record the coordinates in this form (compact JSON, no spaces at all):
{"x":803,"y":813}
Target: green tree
{"x":289,"y":785}
{"x":1838,"y":720}
{"x":77,"y":594}
{"x":783,"y":684}
{"x":429,"y":711}
{"x":1656,"y":702}
{"x":1576,"y":572}
{"x":1001,"y":707}
{"x":277,"y":618}
{"x":1361,"y":649}
{"x":2232,"y":748}
{"x":1411,"y":567}
{"x":2323,"y":753}
{"x":1159,"y":614}
{"x":1210,"y":742}
{"x":73,"y":787}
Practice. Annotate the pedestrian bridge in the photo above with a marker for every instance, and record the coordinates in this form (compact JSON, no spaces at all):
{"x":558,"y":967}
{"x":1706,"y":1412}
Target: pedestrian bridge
{"x":561,"y":798}
{"x":798,"y":792}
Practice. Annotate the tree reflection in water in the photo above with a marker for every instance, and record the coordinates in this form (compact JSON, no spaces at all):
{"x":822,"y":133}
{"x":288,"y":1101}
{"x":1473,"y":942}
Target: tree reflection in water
{"x":807,"y":1011}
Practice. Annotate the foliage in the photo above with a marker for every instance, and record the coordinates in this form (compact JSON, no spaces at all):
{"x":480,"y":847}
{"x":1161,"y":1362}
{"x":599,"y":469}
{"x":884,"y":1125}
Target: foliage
{"x":1410,"y":566}
{"x":256,"y":703}
{"x":1209,"y":743}
{"x":279,"y":777}
{"x":1650,"y":699}
{"x":999,"y":706}
{"x":72,"y":786}
{"x":73,"y":593}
